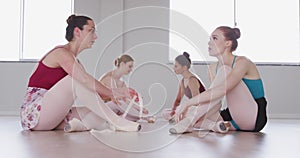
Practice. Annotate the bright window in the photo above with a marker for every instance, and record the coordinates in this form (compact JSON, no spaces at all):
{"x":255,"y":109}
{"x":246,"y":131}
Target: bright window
{"x":35,"y":27}
{"x":10,"y":29}
{"x":269,"y":29}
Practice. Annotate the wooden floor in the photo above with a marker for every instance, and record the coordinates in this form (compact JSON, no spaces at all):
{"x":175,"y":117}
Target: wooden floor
{"x":280,"y":138}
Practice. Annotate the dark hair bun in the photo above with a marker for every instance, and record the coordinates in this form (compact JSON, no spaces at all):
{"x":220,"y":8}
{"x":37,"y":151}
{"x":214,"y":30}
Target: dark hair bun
{"x":237,"y":33}
{"x":70,"y":18}
{"x":187,"y":55}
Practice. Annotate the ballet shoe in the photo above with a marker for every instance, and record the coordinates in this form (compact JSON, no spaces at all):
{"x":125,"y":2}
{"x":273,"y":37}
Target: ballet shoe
{"x":139,"y":127}
{"x":166,"y":115}
{"x":149,"y":119}
{"x":124,"y":128}
{"x":182,"y":127}
{"x":172,"y":121}
{"x":176,"y":131}
{"x":221,"y":127}
{"x":74,"y":125}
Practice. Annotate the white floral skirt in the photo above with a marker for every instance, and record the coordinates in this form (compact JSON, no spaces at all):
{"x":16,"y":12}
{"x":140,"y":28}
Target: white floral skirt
{"x":31,"y":107}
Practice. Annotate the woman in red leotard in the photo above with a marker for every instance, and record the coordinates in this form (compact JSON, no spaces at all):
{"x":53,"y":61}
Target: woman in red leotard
{"x":60,"y":78}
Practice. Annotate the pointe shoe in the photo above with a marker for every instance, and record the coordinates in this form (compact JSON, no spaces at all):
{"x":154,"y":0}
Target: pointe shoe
{"x":125,"y":128}
{"x":182,"y":127}
{"x":149,"y":119}
{"x":221,"y":127}
{"x":74,"y":125}
{"x":172,"y":121}
{"x":166,"y":115}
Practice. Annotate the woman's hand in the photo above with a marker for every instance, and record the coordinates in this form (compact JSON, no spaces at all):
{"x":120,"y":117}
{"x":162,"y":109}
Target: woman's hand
{"x":138,"y":108}
{"x":181,"y":114}
{"x":145,"y":111}
{"x":119,"y":94}
{"x":172,"y":113}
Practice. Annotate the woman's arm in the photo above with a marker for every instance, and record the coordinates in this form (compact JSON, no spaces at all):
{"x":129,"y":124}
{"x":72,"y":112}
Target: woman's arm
{"x":68,"y":62}
{"x":178,"y":99}
{"x":220,"y":89}
{"x":194,"y":86}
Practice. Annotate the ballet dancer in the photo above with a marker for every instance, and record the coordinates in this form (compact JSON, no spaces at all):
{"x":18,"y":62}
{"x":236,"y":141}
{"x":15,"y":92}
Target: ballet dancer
{"x":235,"y":77}
{"x":113,"y":79}
{"x":60,"y":78}
{"x":189,"y":86}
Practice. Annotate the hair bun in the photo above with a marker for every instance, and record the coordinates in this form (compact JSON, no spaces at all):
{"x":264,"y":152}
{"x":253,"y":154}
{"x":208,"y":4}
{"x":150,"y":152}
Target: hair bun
{"x":187,"y":55}
{"x":70,"y":18}
{"x":117,"y":62}
{"x":237,"y":33}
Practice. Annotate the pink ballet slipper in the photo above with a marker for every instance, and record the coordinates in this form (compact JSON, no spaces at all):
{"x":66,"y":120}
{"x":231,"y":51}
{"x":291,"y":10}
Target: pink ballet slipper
{"x":149,"y":119}
{"x":221,"y":127}
{"x":125,"y":128}
{"x":183,"y":126}
{"x":75,"y":125}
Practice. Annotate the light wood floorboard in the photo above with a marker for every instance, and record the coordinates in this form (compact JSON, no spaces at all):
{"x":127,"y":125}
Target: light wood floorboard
{"x":280,"y":138}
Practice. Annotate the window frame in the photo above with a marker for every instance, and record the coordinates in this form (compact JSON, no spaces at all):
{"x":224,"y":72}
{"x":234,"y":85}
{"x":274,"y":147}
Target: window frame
{"x":21,"y":39}
{"x":261,"y":63}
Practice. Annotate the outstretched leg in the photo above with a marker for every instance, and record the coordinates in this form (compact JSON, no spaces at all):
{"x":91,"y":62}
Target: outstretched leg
{"x":83,"y":119}
{"x":94,"y":102}
{"x":132,"y":113}
{"x":58,"y":101}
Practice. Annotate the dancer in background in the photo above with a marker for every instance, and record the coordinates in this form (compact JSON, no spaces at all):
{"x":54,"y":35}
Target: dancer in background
{"x":60,"y":78}
{"x":189,"y":86}
{"x":113,"y":79}
{"x":234,"y":77}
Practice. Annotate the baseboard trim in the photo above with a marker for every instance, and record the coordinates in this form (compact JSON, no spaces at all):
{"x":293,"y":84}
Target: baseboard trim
{"x":284,"y":116}
{"x":9,"y":113}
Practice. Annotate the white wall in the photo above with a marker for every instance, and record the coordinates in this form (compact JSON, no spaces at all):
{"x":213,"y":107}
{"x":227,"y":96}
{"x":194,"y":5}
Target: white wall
{"x":140,"y":33}
{"x":13,"y":81}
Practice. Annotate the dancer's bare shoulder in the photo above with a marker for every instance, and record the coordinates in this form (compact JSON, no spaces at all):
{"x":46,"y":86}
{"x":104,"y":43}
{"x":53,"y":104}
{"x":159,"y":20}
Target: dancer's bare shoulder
{"x":249,"y":68}
{"x":106,"y":79}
